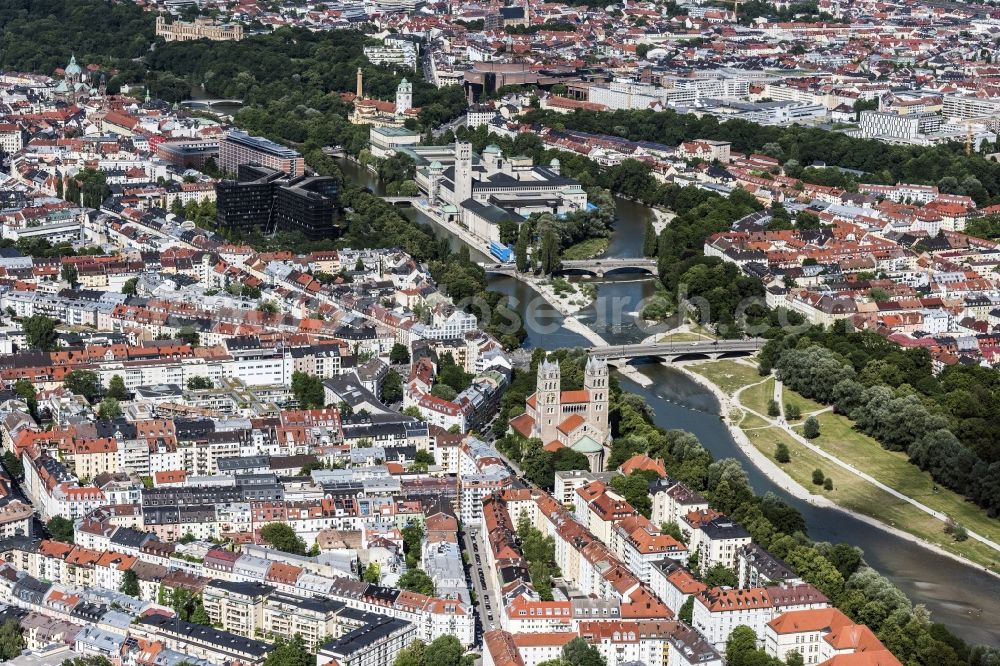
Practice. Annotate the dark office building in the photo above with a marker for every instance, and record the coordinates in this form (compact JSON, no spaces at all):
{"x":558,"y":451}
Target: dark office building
{"x":269,"y":200}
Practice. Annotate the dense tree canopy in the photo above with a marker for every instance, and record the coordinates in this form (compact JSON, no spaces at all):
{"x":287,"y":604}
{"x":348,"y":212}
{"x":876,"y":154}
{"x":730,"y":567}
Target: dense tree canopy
{"x":540,"y":552}
{"x":40,"y":332}
{"x":130,"y":584}
{"x":41,"y":35}
{"x":444,"y":650}
{"x":635,"y":489}
{"x":283,"y":537}
{"x":60,"y":529}
{"x":11,"y":640}
{"x":942,"y":422}
{"x":413,"y":535}
{"x":83,"y":382}
{"x":417,"y":580}
{"x":308,"y":390}
{"x":290,"y":652}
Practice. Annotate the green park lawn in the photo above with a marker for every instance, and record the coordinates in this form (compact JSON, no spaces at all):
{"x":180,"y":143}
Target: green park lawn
{"x":682,"y":336}
{"x":854,"y":493}
{"x":756,"y":397}
{"x":728,"y":375}
{"x":588,"y":249}
{"x":750,"y":421}
{"x":839,"y":438}
{"x":805,"y":405}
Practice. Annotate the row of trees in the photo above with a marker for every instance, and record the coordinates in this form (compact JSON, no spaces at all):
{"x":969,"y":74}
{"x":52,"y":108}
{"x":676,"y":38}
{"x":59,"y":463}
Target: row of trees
{"x":899,"y":417}
{"x":40,"y":247}
{"x":201,"y":213}
{"x":442,"y":651}
{"x":540,"y":552}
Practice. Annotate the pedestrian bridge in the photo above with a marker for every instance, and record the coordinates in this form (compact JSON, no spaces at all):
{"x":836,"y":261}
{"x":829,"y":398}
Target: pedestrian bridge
{"x":401,"y":201}
{"x":674,"y":351}
{"x":209,"y":103}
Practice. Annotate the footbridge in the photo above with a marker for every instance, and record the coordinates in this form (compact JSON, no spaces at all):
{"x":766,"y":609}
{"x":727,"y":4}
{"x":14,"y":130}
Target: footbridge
{"x":673,"y":351}
{"x":209,"y":103}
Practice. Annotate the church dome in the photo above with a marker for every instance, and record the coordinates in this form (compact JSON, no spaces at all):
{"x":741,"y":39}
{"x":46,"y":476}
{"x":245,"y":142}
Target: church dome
{"x":73,"y":69}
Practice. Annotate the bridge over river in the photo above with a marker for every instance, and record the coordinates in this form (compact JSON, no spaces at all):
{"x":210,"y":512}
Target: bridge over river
{"x":672,"y":351}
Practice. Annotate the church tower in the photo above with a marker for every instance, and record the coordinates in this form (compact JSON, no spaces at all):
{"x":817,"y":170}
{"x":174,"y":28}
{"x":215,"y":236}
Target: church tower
{"x":463,"y":172}
{"x":73,"y":77}
{"x":595,"y":380}
{"x":434,"y":175}
{"x":404,"y":97}
{"x":547,"y":395}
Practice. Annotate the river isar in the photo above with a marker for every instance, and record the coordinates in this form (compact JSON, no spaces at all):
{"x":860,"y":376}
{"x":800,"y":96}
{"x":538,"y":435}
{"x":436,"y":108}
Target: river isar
{"x":963,"y":597}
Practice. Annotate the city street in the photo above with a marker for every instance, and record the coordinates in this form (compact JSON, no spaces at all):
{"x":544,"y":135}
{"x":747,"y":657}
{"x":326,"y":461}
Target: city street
{"x":487,"y":606}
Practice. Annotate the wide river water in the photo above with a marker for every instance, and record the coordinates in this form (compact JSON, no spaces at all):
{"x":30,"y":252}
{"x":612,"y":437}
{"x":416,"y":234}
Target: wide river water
{"x":963,"y":597}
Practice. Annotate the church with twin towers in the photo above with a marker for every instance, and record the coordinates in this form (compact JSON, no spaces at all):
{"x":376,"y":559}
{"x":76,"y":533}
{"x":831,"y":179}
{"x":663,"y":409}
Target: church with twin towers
{"x":577,"y":420}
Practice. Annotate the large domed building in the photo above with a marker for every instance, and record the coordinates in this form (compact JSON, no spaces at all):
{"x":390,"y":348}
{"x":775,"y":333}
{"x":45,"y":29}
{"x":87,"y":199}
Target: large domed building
{"x":72,"y":86}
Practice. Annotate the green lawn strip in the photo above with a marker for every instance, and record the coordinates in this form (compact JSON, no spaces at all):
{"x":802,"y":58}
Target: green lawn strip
{"x":682,"y":336}
{"x":751,"y":421}
{"x":854,"y":493}
{"x":587,"y":249}
{"x":728,"y":375}
{"x":840,"y":439}
{"x":757,"y":397}
{"x":805,"y":405}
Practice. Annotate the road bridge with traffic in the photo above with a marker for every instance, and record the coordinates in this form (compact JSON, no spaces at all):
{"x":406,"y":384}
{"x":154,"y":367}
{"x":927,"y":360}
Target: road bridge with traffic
{"x":674,"y":351}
